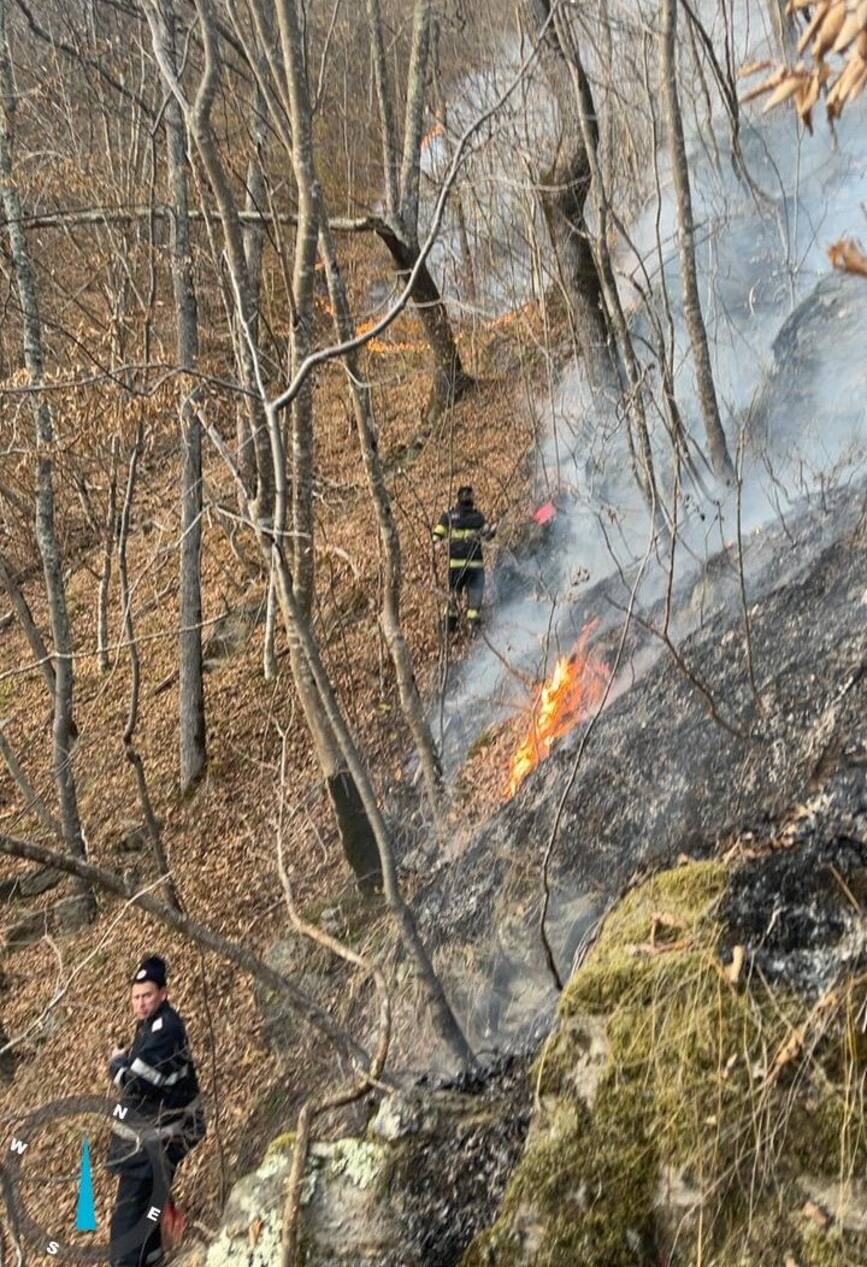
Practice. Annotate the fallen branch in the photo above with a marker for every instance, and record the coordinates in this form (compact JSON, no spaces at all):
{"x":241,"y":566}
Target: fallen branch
{"x":97,"y":216}
{"x":199,"y":933}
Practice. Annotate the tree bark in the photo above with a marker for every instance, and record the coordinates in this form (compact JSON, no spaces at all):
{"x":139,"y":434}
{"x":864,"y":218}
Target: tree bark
{"x":444,"y":1018}
{"x":133,"y":755}
{"x":706,"y":388}
{"x":588,"y":122}
{"x":63,"y":728}
{"x":254,"y":246}
{"x":107,"y":554}
{"x":191,"y":689}
{"x":389,"y":538}
{"x":199,"y":126}
{"x":28,"y":626}
{"x":564,"y":190}
{"x":303,"y":276}
{"x":399,"y":233}
{"x":388,"y":127}
{"x":450,"y":380}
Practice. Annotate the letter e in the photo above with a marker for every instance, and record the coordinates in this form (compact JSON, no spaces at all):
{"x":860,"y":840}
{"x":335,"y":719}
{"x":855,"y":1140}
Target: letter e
{"x":154,"y":1213}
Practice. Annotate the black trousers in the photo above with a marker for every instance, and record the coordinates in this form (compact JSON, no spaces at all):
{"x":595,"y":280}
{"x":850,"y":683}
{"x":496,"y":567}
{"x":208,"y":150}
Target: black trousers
{"x":470,"y":581}
{"x":135,"y":1239}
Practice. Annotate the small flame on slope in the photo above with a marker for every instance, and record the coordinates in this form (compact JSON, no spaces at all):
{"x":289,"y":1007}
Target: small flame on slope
{"x":569,"y":696}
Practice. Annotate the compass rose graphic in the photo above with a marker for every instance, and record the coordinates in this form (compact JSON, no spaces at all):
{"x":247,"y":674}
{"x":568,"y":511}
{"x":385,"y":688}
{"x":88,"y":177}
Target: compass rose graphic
{"x":52,"y":1240}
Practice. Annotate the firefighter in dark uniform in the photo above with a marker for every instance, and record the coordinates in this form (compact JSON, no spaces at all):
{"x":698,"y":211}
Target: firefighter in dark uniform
{"x":157,"y":1082}
{"x":464,"y":528}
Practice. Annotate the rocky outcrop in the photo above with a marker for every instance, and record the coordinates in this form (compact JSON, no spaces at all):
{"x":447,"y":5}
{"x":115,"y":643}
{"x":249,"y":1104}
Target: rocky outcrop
{"x":689,"y":1108}
{"x":412,"y":1191}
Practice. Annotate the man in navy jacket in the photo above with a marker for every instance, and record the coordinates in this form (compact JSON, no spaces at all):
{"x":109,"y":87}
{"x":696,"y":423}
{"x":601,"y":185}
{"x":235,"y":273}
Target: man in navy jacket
{"x":158,"y":1087}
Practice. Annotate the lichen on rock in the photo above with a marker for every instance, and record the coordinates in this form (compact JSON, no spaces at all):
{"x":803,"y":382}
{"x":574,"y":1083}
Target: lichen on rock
{"x":709,"y":1097}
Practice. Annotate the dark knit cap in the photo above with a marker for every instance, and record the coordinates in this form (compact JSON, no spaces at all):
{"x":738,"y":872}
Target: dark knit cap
{"x":152,"y":968}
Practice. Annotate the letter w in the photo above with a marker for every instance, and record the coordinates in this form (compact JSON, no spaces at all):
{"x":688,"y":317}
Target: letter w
{"x":18,"y":1146}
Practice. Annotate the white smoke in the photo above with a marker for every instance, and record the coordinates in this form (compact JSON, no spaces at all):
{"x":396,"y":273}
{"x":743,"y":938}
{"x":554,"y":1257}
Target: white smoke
{"x":771,"y":306}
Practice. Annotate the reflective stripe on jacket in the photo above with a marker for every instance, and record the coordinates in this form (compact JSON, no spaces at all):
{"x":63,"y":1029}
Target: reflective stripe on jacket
{"x":462,"y":527}
{"x":157,"y":1081}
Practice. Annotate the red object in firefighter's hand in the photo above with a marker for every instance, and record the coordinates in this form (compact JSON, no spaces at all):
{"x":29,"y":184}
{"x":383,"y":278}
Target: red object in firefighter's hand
{"x":173,"y":1224}
{"x":545,"y":513}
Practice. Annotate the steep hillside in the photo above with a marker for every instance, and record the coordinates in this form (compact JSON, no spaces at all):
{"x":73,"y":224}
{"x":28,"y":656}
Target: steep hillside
{"x":64,"y":1002}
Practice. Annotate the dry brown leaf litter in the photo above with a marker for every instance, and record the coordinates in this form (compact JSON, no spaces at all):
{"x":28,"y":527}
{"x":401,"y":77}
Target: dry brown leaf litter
{"x":221,"y":842}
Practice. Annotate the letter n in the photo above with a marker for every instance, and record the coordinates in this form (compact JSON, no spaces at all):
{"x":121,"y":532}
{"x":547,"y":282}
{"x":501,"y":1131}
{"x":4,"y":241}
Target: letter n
{"x":120,"y":1111}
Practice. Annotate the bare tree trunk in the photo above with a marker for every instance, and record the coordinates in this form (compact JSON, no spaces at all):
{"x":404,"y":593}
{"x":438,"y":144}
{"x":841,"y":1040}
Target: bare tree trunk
{"x":191,"y":689}
{"x":198,"y":119}
{"x":564,"y":191}
{"x":303,"y":275}
{"x":413,"y":123}
{"x":400,"y":233}
{"x":450,"y":381}
{"x":356,"y":834}
{"x":588,"y":121}
{"x":410,"y":699}
{"x":107,"y":554}
{"x":133,"y":755}
{"x":28,"y":625}
{"x":254,"y":244}
{"x":45,"y":531}
{"x":444,"y":1018}
{"x":716,"y":439}
{"x":390,"y":151}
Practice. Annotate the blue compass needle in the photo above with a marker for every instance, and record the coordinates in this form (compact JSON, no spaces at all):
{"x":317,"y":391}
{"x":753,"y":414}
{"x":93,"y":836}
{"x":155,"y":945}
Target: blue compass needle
{"x":85,"y":1218}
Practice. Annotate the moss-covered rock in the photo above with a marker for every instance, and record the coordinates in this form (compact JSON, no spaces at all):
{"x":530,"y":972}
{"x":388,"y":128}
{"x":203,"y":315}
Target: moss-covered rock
{"x":710,"y":1095}
{"x":410,"y":1193}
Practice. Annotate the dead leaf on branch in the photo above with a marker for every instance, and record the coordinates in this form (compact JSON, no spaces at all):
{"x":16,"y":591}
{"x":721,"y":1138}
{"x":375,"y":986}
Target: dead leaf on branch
{"x":847,"y":256}
{"x":836,"y":29}
{"x":753,"y":68}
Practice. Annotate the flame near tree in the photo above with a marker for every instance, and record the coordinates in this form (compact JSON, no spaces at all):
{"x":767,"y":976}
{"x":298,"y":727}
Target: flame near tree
{"x":570,"y":695}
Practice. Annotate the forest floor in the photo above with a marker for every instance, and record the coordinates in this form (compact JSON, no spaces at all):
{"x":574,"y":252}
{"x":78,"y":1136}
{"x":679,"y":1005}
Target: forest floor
{"x":64,"y":1002}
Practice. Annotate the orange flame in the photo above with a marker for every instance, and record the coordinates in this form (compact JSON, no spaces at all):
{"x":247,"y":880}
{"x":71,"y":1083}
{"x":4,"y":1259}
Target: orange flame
{"x":569,"y":696}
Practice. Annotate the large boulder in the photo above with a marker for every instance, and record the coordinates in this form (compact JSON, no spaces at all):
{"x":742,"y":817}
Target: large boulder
{"x":411,"y":1192}
{"x":692,"y":1105}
